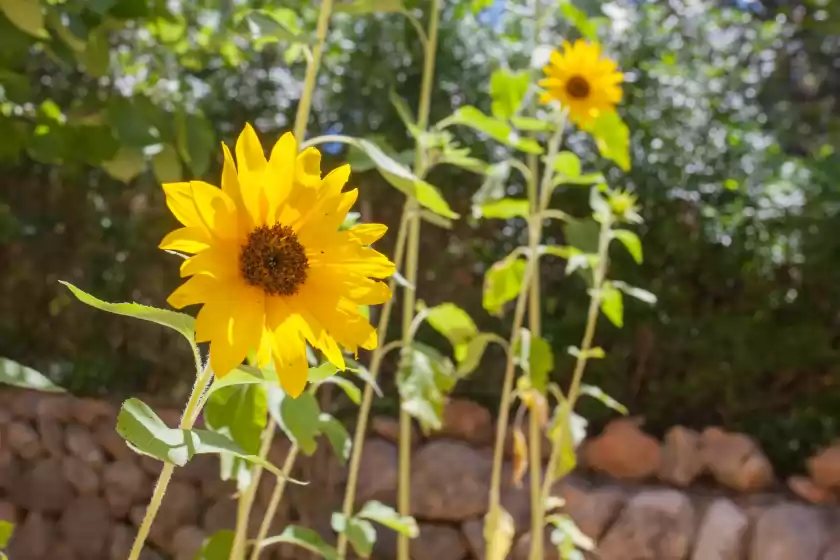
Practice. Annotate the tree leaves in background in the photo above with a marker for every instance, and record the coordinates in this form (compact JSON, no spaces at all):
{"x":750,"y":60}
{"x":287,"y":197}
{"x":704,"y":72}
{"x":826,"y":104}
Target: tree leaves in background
{"x":360,"y":7}
{"x":19,"y":375}
{"x":26,"y":15}
{"x":167,"y":165}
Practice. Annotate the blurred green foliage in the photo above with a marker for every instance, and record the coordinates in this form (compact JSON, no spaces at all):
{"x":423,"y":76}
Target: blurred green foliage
{"x":733,"y":110}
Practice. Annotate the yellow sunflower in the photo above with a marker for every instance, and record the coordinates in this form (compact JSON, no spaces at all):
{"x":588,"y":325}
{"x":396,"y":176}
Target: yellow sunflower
{"x":583,"y":81}
{"x":270,"y":266}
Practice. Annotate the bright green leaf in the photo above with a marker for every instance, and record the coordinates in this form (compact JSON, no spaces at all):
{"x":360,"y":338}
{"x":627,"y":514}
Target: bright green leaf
{"x":530,"y":124}
{"x":388,"y":516}
{"x":567,"y":164}
{"x":536,"y":358}
{"x":588,"y":27}
{"x":350,"y":389}
{"x":181,"y":322}
{"x":608,"y":401}
{"x":463,"y":161}
{"x":631,"y":242}
{"x":217,"y":546}
{"x":245,"y":375}
{"x":613,"y":138}
{"x":560,"y":433}
{"x":6,"y":530}
{"x":469,"y":354}
{"x":360,"y":533}
{"x":424,"y":378}
{"x":502,"y":283}
{"x":239,"y":412}
{"x":337,"y":435}
{"x":360,"y":7}
{"x":167,"y":165}
{"x":507,"y":89}
{"x":298,"y":417}
{"x":126,"y":165}
{"x":272,"y":25}
{"x":504,"y":209}
{"x":452,"y":322}
{"x":19,"y":375}
{"x":494,"y":128}
{"x":612,"y":305}
{"x":596,"y":353}
{"x":304,"y":538}
{"x":26,"y":15}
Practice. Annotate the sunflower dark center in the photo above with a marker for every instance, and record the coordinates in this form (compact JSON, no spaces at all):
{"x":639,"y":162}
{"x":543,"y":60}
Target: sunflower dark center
{"x":578,"y":87}
{"x":273,"y":259}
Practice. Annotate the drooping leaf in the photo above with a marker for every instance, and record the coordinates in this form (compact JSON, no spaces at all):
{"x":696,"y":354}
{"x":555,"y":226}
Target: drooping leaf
{"x":304,"y":538}
{"x":240,"y":412}
{"x":180,"y":322}
{"x":360,"y":533}
{"x":634,"y":292}
{"x":496,"y":129}
{"x":612,"y":305}
{"x":612,"y":138}
{"x":6,"y":530}
{"x":298,"y":418}
{"x":631,"y":242}
{"x":26,"y":15}
{"x":560,"y":434}
{"x":388,"y":516}
{"x":350,"y":389}
{"x":608,"y":401}
{"x":245,"y":375}
{"x":507,"y":89}
{"x":505,"y":208}
{"x":502,"y":283}
{"x":452,"y":322}
{"x":217,"y":547}
{"x":337,"y":435}
{"x":530,"y":124}
{"x":19,"y":375}
{"x":520,"y":456}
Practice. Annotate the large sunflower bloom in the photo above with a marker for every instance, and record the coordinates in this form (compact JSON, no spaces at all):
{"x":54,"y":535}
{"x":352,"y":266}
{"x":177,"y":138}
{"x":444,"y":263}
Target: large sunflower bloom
{"x":583,"y":81}
{"x":270,"y":266}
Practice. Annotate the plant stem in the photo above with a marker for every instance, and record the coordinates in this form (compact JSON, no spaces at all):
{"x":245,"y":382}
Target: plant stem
{"x":246,"y":500}
{"x":274,"y":502}
{"x":187,"y":420}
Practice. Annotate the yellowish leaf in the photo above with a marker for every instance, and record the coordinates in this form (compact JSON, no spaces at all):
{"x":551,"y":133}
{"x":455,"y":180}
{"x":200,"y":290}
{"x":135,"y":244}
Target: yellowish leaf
{"x":498,"y":534}
{"x":520,"y":456}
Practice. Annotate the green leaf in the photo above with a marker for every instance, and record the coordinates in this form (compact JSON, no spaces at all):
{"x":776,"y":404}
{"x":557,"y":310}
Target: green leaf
{"x":464,"y":161}
{"x":567,"y":164}
{"x":245,"y":375}
{"x":26,"y":15}
{"x":349,"y":388}
{"x":452,"y":322}
{"x":167,"y":165}
{"x":424,"y":378}
{"x":582,"y":235}
{"x":535,"y":358}
{"x":126,"y":165}
{"x":631,"y":242}
{"x":388,"y":516}
{"x":197,"y":140}
{"x":360,"y":533}
{"x":298,"y":418}
{"x":273,"y":25}
{"x":608,"y":401}
{"x":6,"y":530}
{"x":404,"y":112}
{"x":588,"y":27}
{"x":507,"y":89}
{"x":612,"y":304}
{"x":180,"y":322}
{"x":337,"y":435}
{"x":360,"y":7}
{"x":239,"y":412}
{"x":504,"y":209}
{"x":304,"y":538}
{"x":596,"y":353}
{"x":493,"y":187}
{"x":468,"y":355}
{"x":400,"y":177}
{"x":217,"y":547}
{"x":612,"y":138}
{"x":634,"y":292}
{"x":362,"y":373}
{"x":502,"y":283}
{"x":19,"y":375}
{"x":492,"y":127}
{"x":434,"y":219}
{"x":560,"y":433}
{"x":530,"y":124}
{"x":96,"y":58}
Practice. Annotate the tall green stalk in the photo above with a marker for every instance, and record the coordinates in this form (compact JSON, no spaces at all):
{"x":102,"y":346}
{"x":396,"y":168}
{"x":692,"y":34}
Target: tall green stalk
{"x":246,"y":500}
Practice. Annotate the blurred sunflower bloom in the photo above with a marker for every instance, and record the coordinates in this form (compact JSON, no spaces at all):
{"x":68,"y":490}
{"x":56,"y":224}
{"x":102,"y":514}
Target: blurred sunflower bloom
{"x":584,"y":82}
{"x":270,"y":266}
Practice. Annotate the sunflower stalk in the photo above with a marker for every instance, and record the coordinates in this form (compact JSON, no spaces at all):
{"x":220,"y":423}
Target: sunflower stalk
{"x":246,"y":502}
{"x":409,"y":236}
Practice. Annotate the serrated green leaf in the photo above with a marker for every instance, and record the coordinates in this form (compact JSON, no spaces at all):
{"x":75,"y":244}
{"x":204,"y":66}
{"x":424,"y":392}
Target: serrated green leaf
{"x":180,"y":322}
{"x":298,"y":417}
{"x":494,"y":128}
{"x":631,"y":242}
{"x":166,"y":165}
{"x":6,"y":530}
{"x":502,"y":283}
{"x":19,"y":375}
{"x":452,"y":322}
{"x":126,"y":165}
{"x":360,"y":533}
{"x":303,"y":538}
{"x":612,"y":138}
{"x":26,"y":15}
{"x":388,"y":516}
{"x":507,"y":89}
{"x":337,"y":435}
{"x":612,"y":305}
{"x":217,"y":547}
{"x":608,"y":401}
{"x":240,"y":412}
{"x":504,"y":209}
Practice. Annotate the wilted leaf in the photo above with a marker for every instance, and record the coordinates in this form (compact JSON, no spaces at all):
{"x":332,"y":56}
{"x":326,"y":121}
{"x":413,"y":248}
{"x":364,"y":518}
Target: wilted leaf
{"x":535,"y":358}
{"x":388,"y":516}
{"x":560,"y":433}
{"x":304,"y":538}
{"x":520,"y":456}
{"x":424,"y":379}
{"x":19,"y":375}
{"x":634,"y":292}
{"x":499,"y":538}
{"x":502,"y":283}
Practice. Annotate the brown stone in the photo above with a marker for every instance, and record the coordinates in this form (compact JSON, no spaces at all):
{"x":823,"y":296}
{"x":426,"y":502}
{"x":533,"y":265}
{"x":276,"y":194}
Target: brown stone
{"x":55,"y":407}
{"x":473,"y":531}
{"x":180,"y":506}
{"x":151,"y":465}
{"x":32,"y":538}
{"x":521,"y":549}
{"x":62,"y":551}
{"x":52,"y":435}
{"x":24,"y":404}
{"x":832,"y":552}
{"x":736,"y":461}
{"x":722,"y":532}
{"x":220,"y":515}
{"x":806,"y":489}
{"x":597,"y":510}
{"x":623,"y":451}
{"x":125,"y":485}
{"x":8,"y":512}
{"x":85,"y":525}
{"x":122,"y":537}
{"x":187,"y":541}
{"x":23,"y":440}
{"x":438,"y":542}
{"x":681,"y":457}
{"x":43,"y":488}
{"x":81,"y":475}
{"x":824,"y":467}
{"x":655,"y":525}
{"x":80,"y":443}
{"x":89,"y":412}
{"x":466,"y":421}
{"x":378,"y":472}
{"x":450,"y":481}
{"x":106,"y":436}
{"x":5,"y":416}
{"x":389,"y":429}
{"x":9,"y":469}
{"x":789,"y":531}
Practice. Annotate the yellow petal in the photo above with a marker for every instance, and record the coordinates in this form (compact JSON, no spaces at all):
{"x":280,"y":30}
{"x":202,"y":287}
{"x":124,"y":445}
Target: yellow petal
{"x":186,"y":240}
{"x":198,"y":289}
{"x":220,"y":261}
{"x":249,"y":152}
{"x":282,"y":164}
{"x":335,"y":180}
{"x":289,"y":352}
{"x":233,"y":324}
{"x":179,"y":199}
{"x":264,"y":351}
{"x":216,"y":209}
{"x":308,"y":170}
{"x":367,"y":233}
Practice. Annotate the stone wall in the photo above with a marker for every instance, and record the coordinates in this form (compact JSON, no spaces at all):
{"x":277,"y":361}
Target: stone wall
{"x":76,"y":492}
